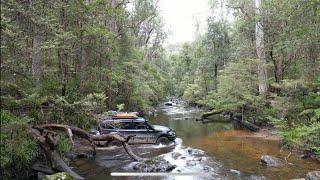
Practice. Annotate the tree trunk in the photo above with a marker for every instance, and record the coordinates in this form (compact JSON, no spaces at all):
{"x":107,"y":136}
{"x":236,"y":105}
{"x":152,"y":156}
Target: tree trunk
{"x":36,"y":63}
{"x":62,"y":54}
{"x":262,"y":70}
{"x":113,"y":28}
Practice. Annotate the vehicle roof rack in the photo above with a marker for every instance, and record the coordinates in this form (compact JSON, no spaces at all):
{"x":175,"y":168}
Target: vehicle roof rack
{"x":125,"y":116}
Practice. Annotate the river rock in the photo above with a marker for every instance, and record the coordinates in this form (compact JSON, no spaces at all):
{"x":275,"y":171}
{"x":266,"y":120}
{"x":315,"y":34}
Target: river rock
{"x":154,"y":165}
{"x":235,"y":171}
{"x":73,"y":155}
{"x":313,"y":175}
{"x":175,"y":155}
{"x":254,"y":177}
{"x":191,"y":163}
{"x":272,"y":161}
{"x":60,"y":176}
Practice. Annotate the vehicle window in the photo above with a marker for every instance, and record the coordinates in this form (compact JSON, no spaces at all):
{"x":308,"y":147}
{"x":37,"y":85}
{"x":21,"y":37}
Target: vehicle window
{"x":106,"y":126}
{"x":140,"y":125}
{"x":121,"y":125}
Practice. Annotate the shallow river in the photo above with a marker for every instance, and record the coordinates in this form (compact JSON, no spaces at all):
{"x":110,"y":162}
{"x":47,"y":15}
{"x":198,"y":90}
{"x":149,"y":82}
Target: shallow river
{"x":220,"y":149}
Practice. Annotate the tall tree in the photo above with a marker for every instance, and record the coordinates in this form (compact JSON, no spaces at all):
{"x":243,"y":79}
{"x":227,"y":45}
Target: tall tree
{"x":263,"y":78}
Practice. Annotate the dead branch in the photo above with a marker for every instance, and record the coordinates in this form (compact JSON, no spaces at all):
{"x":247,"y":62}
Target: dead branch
{"x":74,"y":130}
{"x":48,"y":141}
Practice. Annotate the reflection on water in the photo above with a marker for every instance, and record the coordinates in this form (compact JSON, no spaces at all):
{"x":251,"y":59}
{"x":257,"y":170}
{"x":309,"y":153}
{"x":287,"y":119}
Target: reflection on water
{"x":228,"y":153}
{"x":183,"y":120}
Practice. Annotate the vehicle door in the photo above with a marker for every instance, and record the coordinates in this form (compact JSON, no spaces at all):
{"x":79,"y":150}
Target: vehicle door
{"x":144,"y":134}
{"x":117,"y":127}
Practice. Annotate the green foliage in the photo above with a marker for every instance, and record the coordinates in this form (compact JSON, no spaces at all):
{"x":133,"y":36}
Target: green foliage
{"x":192,"y":93}
{"x":220,"y":69}
{"x":63,"y":145}
{"x":237,"y":86}
{"x":303,"y":137}
{"x":120,"y":107}
{"x":17,"y":149}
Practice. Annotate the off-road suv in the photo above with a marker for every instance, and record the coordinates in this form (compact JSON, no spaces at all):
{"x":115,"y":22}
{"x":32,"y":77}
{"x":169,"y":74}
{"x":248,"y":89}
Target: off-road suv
{"x":128,"y":124}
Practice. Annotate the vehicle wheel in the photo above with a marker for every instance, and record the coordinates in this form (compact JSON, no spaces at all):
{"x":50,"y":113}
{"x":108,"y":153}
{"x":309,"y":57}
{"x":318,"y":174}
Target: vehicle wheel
{"x":114,"y":143}
{"x":163,"y":140}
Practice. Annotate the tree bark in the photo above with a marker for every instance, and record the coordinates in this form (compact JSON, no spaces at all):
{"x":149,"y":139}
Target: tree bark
{"x":112,"y":25}
{"x":262,"y":70}
{"x":36,"y":63}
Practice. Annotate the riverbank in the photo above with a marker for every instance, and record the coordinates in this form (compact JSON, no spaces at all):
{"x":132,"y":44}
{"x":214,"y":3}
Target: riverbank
{"x":303,"y":140}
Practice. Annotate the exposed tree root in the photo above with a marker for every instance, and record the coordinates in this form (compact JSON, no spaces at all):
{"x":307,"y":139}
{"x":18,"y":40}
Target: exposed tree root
{"x":48,"y":140}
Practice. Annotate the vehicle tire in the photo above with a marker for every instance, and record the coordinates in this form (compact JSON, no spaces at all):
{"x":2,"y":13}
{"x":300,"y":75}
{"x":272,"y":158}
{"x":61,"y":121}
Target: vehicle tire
{"x":114,"y":143}
{"x":163,"y":140}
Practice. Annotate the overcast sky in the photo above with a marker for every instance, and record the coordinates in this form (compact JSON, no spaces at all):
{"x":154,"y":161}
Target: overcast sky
{"x":180,"y":18}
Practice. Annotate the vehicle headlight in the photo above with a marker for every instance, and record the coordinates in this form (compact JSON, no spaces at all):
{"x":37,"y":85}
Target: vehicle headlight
{"x":171,"y":133}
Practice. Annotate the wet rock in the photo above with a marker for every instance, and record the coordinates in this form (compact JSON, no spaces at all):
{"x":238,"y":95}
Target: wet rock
{"x":195,"y":152}
{"x":307,"y":154}
{"x":73,"y":155}
{"x":206,"y":169}
{"x":41,"y":175}
{"x":154,"y":165}
{"x":60,"y":176}
{"x":198,"y":159}
{"x":191,"y":163}
{"x":313,"y":175}
{"x":272,"y":161}
{"x":175,"y":155}
{"x":235,"y":171}
{"x":183,"y":157}
{"x":254,"y":177}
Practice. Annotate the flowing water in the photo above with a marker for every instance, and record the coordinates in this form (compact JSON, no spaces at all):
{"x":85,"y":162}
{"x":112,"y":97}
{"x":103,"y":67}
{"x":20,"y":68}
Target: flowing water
{"x":220,"y":150}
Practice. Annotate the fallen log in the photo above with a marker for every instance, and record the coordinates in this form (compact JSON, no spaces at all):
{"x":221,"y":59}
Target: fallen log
{"x":74,"y":130}
{"x":236,"y":117}
{"x":42,"y":168}
{"x":214,"y":112}
{"x":48,"y":141}
{"x":49,"y":147}
{"x":248,"y":125}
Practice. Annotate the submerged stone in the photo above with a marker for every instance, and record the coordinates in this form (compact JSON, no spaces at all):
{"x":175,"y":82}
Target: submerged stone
{"x":254,"y":177}
{"x":272,"y":161}
{"x":175,"y":155}
{"x":191,"y":163}
{"x":154,"y":165}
